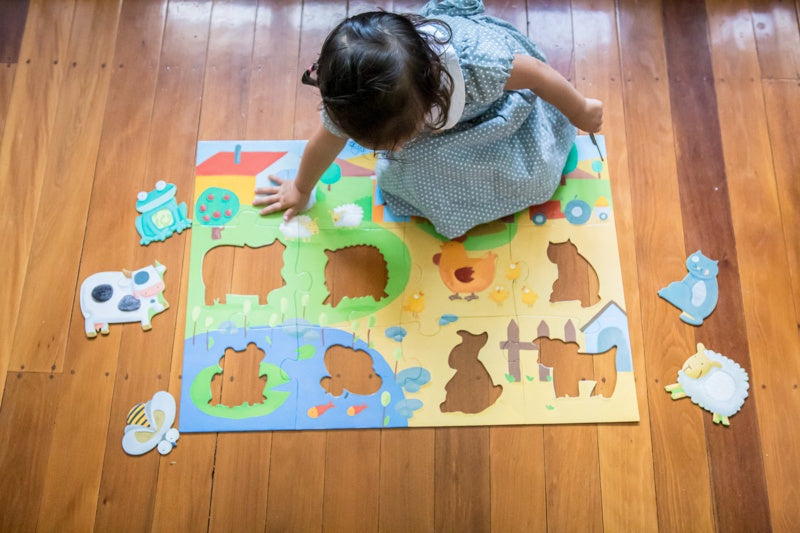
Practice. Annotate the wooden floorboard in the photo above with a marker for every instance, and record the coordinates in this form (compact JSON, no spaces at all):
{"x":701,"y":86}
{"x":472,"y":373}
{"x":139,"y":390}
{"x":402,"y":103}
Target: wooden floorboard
{"x":12,"y":25}
{"x":183,"y":491}
{"x":87,"y":384}
{"x":99,"y":100}
{"x":552,"y":28}
{"x":782,"y":102}
{"x":126,"y":487}
{"x":777,"y":39}
{"x":740,"y":495}
{"x":681,"y":476}
{"x":625,"y":452}
{"x":7,"y":73}
{"x":23,"y":153}
{"x":26,"y":433}
{"x":767,"y":302}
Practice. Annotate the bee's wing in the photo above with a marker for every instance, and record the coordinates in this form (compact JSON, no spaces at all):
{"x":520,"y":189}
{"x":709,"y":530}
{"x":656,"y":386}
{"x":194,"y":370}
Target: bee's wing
{"x":164,"y":403}
{"x":140,"y":439}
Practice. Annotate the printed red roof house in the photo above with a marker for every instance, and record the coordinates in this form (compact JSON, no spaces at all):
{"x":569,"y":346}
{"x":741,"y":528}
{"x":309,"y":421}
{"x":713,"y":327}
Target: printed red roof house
{"x":249,"y":163}
{"x":351,"y":167}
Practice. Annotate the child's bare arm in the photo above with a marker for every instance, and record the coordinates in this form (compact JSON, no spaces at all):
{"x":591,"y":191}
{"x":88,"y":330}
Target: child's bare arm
{"x":292,"y":196}
{"x":527,"y":72}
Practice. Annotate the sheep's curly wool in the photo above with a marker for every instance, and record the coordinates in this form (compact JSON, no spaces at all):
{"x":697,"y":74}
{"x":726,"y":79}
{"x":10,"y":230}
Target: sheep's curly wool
{"x":722,"y":390}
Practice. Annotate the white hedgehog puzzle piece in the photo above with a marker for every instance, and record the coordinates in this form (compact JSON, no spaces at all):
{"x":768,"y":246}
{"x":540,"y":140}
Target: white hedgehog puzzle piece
{"x":714,"y":382}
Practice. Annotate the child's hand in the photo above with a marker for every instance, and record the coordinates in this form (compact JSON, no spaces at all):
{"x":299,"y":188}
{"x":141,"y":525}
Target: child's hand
{"x":590,"y":118}
{"x":284,"y":196}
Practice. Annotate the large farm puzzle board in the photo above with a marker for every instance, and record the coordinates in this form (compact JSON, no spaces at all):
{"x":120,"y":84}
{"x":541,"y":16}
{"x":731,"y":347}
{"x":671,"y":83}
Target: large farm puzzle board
{"x":350,"y":317}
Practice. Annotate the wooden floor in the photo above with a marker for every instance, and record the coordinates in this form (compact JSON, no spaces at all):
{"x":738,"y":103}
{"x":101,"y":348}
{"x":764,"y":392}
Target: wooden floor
{"x":702,"y":120}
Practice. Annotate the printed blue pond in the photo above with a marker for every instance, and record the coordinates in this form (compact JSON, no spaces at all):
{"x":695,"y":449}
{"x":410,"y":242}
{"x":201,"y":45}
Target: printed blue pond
{"x":294,"y":365}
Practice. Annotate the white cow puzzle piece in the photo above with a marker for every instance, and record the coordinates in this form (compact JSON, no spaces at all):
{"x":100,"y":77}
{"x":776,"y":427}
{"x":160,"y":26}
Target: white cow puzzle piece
{"x":117,"y":297}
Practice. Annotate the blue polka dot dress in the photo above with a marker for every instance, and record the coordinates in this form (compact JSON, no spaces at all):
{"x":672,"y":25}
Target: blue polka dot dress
{"x":505,"y":153}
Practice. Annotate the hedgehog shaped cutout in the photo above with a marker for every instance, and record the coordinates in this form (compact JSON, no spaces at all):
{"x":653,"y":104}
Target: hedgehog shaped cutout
{"x":714,"y":382}
{"x":149,"y":425}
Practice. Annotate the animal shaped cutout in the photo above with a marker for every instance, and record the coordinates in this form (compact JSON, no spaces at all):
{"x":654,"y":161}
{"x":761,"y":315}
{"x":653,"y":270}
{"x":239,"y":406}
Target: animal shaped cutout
{"x":714,"y":382}
{"x":471,"y":389}
{"x":118,"y":297}
{"x":577,"y":279}
{"x":696,"y":294}
{"x":241,"y":381}
{"x":161,"y":215}
{"x":350,"y":370}
{"x":355,"y":272}
{"x":462,"y":273}
{"x":242,"y":270}
{"x":570,"y":367}
{"x":149,"y":425}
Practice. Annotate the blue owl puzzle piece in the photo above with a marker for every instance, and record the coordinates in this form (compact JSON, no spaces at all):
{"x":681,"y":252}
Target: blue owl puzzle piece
{"x":161,"y":215}
{"x":696,"y":294}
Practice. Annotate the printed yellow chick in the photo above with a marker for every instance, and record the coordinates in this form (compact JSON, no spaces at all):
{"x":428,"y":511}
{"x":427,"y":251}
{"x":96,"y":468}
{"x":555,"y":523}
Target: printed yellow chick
{"x":513,"y":272}
{"x":528,"y":296}
{"x":415,"y":303}
{"x":499,"y":294}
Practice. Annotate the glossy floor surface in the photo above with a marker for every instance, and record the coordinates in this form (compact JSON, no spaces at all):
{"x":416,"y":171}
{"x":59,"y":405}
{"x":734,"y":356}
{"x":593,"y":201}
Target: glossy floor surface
{"x":702,"y":120}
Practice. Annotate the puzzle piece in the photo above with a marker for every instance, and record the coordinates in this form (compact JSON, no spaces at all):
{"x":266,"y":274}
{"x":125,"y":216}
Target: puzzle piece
{"x":200,"y":411}
{"x":355,"y":276}
{"x":459,"y":278}
{"x":161,"y":215}
{"x":118,"y":297}
{"x":342,"y":382}
{"x":714,"y":382}
{"x":149,"y":425}
{"x":696,"y":294}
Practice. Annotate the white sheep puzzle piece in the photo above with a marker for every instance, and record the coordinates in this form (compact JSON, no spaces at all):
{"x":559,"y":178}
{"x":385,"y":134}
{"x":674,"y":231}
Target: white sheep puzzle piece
{"x":714,"y":382}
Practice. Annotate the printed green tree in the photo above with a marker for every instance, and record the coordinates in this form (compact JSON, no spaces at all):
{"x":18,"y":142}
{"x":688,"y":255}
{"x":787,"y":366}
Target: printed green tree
{"x":331,"y":175}
{"x":216,"y":207}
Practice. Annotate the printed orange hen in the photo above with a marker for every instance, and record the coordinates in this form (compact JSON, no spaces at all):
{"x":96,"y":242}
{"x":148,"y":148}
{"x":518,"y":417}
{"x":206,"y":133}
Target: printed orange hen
{"x":461,"y":273}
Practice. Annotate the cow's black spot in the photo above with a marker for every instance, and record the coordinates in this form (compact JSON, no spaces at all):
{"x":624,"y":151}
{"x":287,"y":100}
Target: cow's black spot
{"x":129,"y":303}
{"x":102,"y":293}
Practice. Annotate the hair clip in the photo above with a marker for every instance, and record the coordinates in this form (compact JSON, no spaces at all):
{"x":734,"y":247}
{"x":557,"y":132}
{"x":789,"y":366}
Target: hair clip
{"x":307,"y":79}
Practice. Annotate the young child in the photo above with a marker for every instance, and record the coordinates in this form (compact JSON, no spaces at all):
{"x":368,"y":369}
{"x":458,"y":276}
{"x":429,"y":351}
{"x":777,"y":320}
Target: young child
{"x":469,"y":122}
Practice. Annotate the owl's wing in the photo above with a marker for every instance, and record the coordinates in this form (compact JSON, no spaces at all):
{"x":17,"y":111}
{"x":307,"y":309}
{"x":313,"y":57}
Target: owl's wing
{"x":699,"y":293}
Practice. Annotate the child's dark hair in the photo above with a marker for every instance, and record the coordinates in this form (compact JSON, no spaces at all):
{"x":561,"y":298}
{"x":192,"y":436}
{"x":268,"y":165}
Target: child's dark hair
{"x":381,"y":79}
